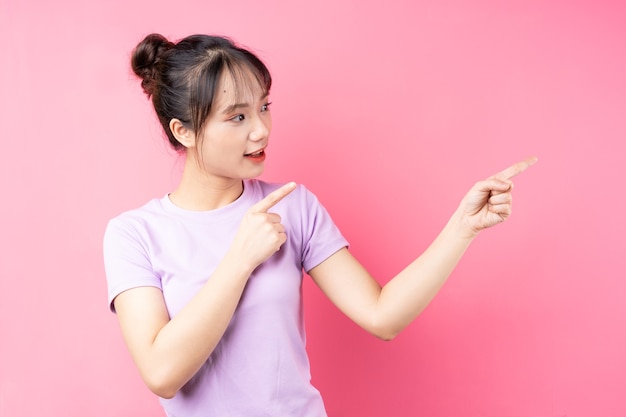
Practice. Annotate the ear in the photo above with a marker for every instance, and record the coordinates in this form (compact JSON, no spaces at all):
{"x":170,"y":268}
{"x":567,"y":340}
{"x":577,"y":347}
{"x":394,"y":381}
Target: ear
{"x":184,"y":135}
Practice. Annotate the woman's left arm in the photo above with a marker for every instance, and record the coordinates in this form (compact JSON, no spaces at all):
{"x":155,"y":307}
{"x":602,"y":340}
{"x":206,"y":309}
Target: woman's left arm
{"x":385,"y":311}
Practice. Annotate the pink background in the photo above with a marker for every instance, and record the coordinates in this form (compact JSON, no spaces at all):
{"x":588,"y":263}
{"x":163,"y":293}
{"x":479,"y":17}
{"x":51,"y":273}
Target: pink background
{"x":389,"y":111}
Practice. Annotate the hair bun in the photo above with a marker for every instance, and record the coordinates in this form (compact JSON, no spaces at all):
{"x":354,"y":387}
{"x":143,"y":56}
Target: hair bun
{"x":146,"y":57}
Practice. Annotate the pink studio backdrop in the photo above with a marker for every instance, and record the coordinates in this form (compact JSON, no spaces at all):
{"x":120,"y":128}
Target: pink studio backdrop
{"x":389,"y":111}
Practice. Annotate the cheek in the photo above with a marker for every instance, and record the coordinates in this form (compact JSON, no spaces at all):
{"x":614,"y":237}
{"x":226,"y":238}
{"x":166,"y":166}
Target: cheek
{"x":269,"y":123}
{"x":222,"y":151}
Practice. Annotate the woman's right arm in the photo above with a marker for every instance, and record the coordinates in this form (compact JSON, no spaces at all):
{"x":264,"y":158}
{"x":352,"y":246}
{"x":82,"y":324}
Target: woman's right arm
{"x":169,"y":352}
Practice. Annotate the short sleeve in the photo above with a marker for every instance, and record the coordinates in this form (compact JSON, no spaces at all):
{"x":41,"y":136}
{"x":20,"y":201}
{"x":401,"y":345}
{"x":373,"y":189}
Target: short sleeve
{"x":321,"y":237}
{"x":126,"y":259}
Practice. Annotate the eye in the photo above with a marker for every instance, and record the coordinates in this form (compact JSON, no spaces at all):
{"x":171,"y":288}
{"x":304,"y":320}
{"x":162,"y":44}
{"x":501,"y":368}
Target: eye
{"x":238,"y":118}
{"x":265,"y":107}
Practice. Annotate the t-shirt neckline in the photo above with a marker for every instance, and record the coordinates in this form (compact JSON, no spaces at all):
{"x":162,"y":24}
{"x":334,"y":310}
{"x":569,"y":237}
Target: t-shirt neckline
{"x":242,"y":203}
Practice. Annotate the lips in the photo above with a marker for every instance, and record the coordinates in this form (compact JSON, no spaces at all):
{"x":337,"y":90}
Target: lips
{"x":255,"y":154}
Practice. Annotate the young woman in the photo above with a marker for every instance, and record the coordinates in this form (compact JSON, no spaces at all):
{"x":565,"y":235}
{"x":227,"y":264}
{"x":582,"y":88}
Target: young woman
{"x":206,"y":281}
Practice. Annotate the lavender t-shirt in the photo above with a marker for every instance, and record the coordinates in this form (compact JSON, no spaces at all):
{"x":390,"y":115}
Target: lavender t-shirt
{"x":260,"y":367}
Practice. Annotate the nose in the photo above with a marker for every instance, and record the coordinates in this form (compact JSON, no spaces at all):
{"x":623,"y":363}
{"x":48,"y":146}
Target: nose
{"x":261,"y":129}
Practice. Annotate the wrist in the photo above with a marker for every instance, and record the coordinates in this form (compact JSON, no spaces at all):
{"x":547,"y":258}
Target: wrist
{"x":460,"y":223}
{"x":237,"y":264}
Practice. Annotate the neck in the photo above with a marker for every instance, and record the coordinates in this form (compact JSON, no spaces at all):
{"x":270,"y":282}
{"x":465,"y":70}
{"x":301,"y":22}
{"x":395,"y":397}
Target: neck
{"x":200,"y":191}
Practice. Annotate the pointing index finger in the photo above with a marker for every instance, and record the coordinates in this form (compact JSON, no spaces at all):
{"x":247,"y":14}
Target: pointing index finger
{"x":516,"y":169}
{"x":273,"y":198}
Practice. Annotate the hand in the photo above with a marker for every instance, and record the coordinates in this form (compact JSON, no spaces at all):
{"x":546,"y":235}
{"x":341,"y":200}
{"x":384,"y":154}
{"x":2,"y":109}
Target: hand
{"x":489,"y":202}
{"x":260,"y":233}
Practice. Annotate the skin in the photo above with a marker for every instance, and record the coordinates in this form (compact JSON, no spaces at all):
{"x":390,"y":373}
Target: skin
{"x":169,"y":352}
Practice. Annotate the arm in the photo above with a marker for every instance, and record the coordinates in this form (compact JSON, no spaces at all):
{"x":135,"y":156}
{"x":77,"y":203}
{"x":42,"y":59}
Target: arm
{"x":169,"y":352}
{"x":385,"y":311}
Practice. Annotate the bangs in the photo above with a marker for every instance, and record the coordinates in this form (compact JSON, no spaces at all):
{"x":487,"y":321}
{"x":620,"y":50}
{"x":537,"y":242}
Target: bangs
{"x":247,"y":73}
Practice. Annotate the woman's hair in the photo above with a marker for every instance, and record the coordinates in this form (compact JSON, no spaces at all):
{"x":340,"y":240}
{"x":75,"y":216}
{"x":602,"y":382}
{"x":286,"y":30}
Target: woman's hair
{"x":182,"y":78}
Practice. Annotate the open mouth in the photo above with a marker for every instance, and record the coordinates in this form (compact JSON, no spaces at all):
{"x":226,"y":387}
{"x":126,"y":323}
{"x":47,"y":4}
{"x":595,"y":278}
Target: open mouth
{"x":256,"y":154}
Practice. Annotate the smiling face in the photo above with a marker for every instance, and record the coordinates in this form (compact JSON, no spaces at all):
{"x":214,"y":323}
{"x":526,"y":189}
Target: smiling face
{"x":236,"y":133}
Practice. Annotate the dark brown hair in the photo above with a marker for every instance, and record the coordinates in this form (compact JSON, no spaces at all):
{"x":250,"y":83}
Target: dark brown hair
{"x":182,"y":78}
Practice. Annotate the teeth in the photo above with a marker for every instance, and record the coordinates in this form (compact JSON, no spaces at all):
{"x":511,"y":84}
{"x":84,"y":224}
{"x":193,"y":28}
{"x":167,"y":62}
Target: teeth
{"x":256,"y":153}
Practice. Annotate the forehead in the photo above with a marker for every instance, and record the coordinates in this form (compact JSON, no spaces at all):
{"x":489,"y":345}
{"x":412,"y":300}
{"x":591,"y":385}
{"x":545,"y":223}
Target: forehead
{"x":237,"y":86}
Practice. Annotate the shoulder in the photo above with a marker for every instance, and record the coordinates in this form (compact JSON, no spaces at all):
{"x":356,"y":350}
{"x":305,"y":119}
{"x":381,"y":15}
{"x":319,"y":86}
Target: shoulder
{"x":301,"y":205}
{"x":299,"y":195}
{"x":136,"y":220}
{"x":301,"y":202}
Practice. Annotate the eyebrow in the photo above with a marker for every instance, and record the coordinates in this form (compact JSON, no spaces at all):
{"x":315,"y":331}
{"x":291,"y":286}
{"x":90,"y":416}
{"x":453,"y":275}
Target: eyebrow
{"x":232,"y":107}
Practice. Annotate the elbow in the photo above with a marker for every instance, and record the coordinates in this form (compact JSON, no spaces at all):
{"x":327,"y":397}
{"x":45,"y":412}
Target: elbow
{"x":386,"y":336}
{"x":162,"y":390}
{"x":384,"y":332}
{"x":161,"y":385}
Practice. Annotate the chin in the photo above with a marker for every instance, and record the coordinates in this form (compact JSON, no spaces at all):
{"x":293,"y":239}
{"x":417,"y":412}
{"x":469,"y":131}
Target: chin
{"x":253,"y":174}
{"x":250,"y":177}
